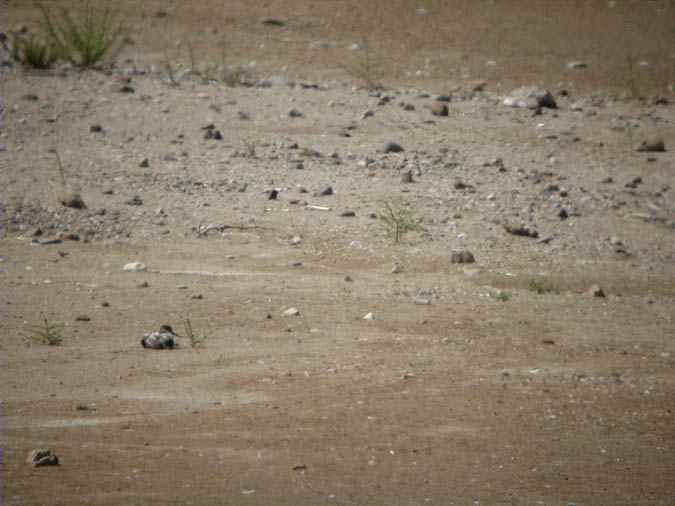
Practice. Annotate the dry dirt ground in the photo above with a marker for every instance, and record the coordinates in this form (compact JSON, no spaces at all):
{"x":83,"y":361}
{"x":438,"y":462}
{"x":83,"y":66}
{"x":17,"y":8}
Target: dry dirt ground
{"x":495,"y":382}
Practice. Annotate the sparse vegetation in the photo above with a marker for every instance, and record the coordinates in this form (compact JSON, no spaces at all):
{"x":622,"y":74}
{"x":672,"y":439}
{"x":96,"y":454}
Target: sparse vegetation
{"x":233,"y":76}
{"x":171,"y":72}
{"x":207,"y":72}
{"x":501,"y":296}
{"x":398,"y":221}
{"x":542,"y":286}
{"x":196,"y":340}
{"x":49,"y":333}
{"x":250,"y":148}
{"x":33,"y":51}
{"x":85,"y":40}
{"x":366,"y":68}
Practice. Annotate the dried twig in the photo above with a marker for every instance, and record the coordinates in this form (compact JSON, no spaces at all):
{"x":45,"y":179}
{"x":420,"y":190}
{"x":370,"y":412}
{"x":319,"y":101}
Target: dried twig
{"x":203,"y":229}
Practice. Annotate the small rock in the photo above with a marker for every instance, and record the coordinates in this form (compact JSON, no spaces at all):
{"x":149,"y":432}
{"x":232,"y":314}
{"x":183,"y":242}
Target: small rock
{"x":348,"y":279}
{"x":328,"y":190}
{"x":96,"y":128}
{"x":369,"y":316}
{"x":273,"y":195}
{"x":144,"y":164}
{"x":213,"y":134}
{"x":367,"y":114}
{"x":82,"y":318}
{"x":443,"y":98}
{"x":162,"y":340}
{"x":134,"y":201}
{"x":294,"y":113}
{"x":563,"y":214}
{"x":530,"y":97}
{"x":126,"y":88}
{"x":393,"y":147}
{"x":144,"y":284}
{"x":421,"y":301}
{"x":652,"y":145}
{"x":348,"y":214}
{"x":72,"y":200}
{"x":134,"y":267}
{"x":291,"y":311}
{"x":521,"y":230}
{"x":407,"y":177}
{"x":577,"y":65}
{"x":439,"y":109}
{"x":634,"y":182}
{"x":273,"y":22}
{"x":296,"y":240}
{"x":496,"y":162}
{"x":397,"y":269}
{"x":42,"y":457}
{"x":594,"y":291}
{"x":462,"y":257}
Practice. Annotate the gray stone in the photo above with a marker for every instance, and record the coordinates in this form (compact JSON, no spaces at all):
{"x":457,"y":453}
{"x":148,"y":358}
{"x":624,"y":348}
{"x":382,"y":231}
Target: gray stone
{"x":462,"y":257}
{"x":594,"y":291}
{"x":42,"y":457}
{"x":134,"y":267}
{"x":407,"y":177}
{"x":162,"y":340}
{"x":652,"y":145}
{"x":439,"y":109}
{"x":72,"y":199}
{"x":393,"y":147}
{"x":530,"y":97}
{"x":521,"y":230}
{"x":273,"y":22}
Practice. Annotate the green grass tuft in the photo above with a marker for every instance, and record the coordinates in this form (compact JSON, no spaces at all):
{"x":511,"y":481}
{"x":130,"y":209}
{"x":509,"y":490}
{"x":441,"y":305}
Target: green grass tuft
{"x":85,"y":40}
{"x":196,"y":340}
{"x":398,"y":221}
{"x":47,"y":333}
{"x":34,"y":52}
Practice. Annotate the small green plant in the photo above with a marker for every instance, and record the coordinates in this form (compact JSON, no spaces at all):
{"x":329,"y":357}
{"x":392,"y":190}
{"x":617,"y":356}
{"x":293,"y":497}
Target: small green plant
{"x":34,"y":52}
{"x":233,"y":76}
{"x":196,"y":340}
{"x":250,"y":148}
{"x":171,"y":73}
{"x":541,"y":286}
{"x":501,"y":296}
{"x":85,"y":40}
{"x":367,"y":69}
{"x":398,"y":221}
{"x":47,"y":332}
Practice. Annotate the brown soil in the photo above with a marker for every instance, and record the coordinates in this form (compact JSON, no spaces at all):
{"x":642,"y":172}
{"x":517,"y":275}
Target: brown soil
{"x":511,"y":386}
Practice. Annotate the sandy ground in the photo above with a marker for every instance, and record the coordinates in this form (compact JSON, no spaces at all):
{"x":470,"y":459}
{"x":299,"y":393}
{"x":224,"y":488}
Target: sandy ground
{"x":494,"y":382}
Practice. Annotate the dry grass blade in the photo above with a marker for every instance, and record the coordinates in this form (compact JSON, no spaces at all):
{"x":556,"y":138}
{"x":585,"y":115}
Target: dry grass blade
{"x":86,"y":40}
{"x":47,"y":333}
